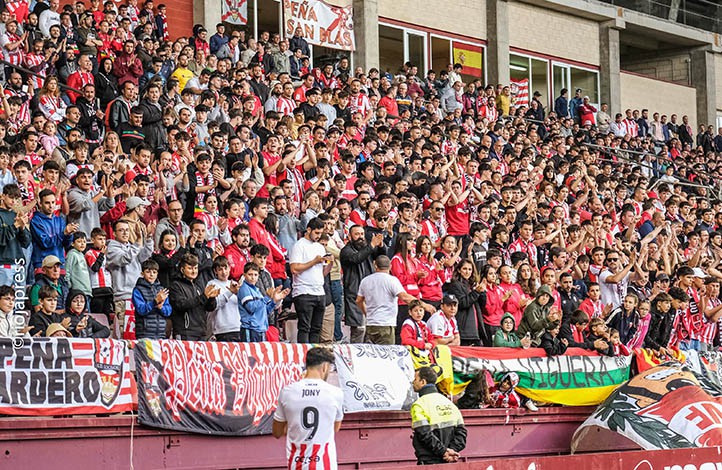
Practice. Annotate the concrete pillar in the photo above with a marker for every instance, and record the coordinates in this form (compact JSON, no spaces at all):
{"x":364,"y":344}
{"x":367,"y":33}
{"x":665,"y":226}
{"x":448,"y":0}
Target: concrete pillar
{"x":366,"y":29}
{"x":497,"y":47}
{"x":208,"y":13}
{"x":703,"y":80}
{"x":609,"y":79}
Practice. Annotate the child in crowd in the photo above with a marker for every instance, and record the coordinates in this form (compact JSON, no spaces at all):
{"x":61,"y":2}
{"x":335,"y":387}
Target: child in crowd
{"x":537,"y":315}
{"x":77,"y":273}
{"x":151,"y":303}
{"x":503,"y":394}
{"x":225,"y":322}
{"x":552,"y":344}
{"x":624,"y":318}
{"x":414,"y":331}
{"x":505,"y":336}
{"x":79,"y":160}
{"x":100,"y":281}
{"x":618,"y":348}
{"x":442,"y":325}
{"x":597,"y":331}
{"x":593,"y":305}
{"x":12,"y":323}
{"x":56,"y":330}
{"x":49,"y":138}
{"x":645,"y":317}
{"x":255,"y":306}
{"x":575,"y":329}
{"x":81,"y":324}
{"x":46,"y":312}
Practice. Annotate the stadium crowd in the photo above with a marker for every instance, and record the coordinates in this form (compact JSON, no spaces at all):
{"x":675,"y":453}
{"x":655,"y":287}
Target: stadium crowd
{"x":214,"y":186}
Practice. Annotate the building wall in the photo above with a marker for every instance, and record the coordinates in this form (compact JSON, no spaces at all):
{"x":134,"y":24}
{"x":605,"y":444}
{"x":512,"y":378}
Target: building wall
{"x":180,"y":15}
{"x":672,"y":69}
{"x":465,"y":17}
{"x":718,"y":77}
{"x":552,"y":33}
{"x":641,"y":92}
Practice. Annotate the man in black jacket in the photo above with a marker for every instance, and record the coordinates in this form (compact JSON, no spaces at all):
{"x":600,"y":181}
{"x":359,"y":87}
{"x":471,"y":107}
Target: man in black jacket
{"x":153,"y":130}
{"x":191,"y":299}
{"x":357,"y":263}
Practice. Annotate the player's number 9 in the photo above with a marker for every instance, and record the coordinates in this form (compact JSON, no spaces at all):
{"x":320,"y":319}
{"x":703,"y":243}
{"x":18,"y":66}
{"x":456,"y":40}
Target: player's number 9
{"x":309,"y":419}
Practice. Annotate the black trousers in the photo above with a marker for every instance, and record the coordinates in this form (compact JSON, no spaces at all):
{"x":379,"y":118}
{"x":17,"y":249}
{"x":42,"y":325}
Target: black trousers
{"x":232,"y":337}
{"x":310,"y":310}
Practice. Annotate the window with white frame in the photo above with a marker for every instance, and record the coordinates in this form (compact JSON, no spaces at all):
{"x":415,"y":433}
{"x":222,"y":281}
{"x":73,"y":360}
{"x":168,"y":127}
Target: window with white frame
{"x":398,"y":45}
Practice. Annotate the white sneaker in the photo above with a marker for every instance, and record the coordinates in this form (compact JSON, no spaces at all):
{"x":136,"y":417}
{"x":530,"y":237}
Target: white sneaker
{"x":531,"y":406}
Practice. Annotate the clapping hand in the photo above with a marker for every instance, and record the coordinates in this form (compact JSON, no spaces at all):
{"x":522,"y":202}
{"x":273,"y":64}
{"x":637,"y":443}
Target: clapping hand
{"x":212,"y":291}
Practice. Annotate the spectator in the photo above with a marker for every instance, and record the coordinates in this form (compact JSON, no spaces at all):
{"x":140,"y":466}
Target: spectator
{"x":190,"y":300}
{"x":85,"y":201}
{"x":151,"y":304}
{"x":12,"y":325}
{"x":77,"y":273}
{"x":46,"y":312}
{"x":14,"y":234}
{"x":357,"y":263}
{"x":124,"y":260}
{"x":82,"y":325}
{"x":256,"y":306}
{"x":537,"y":316}
{"x":50,"y":276}
{"x":377,"y":299}
{"x":550,"y":341}
{"x":309,"y":264}
{"x":464,"y":285}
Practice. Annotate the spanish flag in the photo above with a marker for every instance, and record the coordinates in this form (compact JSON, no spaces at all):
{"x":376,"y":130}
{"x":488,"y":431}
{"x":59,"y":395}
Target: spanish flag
{"x":469,"y":56}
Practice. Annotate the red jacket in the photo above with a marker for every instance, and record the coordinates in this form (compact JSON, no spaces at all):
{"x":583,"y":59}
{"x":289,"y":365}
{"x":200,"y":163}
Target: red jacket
{"x":406,"y":273}
{"x":237,"y":259}
{"x":276,"y":263}
{"x":414,"y":334}
{"x":127,"y":70}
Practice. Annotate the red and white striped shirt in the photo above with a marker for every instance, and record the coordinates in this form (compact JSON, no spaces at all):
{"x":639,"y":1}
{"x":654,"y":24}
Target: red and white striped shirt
{"x":285,"y":106}
{"x":359,"y":103}
{"x":101,"y":278}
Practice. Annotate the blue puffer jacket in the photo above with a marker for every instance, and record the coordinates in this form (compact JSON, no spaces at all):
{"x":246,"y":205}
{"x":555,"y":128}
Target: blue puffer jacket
{"x":149,"y":319}
{"x":49,"y":237}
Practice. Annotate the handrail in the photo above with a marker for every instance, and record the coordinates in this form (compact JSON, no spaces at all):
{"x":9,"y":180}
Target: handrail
{"x":35,"y":74}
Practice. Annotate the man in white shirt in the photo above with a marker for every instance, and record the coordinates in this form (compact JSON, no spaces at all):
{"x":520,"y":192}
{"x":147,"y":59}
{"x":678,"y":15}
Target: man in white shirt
{"x":442,"y":324}
{"x":378,"y":296}
{"x":614,"y":280}
{"x":309,"y":414}
{"x":49,"y":18}
{"x":309,"y":265}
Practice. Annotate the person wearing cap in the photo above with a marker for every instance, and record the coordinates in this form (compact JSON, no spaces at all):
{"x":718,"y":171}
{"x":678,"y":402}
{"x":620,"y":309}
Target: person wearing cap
{"x":57,"y":330}
{"x":442,"y":325}
{"x":53,"y":277}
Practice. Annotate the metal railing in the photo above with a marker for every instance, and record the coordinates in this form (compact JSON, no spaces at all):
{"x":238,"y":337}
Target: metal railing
{"x":702,"y":14}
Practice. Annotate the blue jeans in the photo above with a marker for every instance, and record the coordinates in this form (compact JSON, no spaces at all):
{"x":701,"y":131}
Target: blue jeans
{"x":689,"y":344}
{"x":337,"y":295}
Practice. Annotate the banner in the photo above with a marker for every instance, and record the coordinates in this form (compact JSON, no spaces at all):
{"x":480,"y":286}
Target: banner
{"x":469,"y":56}
{"x":579,"y":378}
{"x":321,"y":24}
{"x":662,"y":408}
{"x":375,"y":377}
{"x":520,"y":92}
{"x":234,"y":11}
{"x":214,"y":387}
{"x":64,"y":376}
{"x":233,"y":388}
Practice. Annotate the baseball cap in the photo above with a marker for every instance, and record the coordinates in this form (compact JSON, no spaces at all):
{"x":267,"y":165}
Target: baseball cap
{"x":50,"y":261}
{"x":450,"y":299}
{"x":134,"y":202}
{"x":699,"y":273}
{"x":662,"y":277}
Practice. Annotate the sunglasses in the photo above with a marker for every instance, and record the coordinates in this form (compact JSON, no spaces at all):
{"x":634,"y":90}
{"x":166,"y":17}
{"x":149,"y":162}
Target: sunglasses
{"x":383,"y":219}
{"x":612,"y":259}
{"x":438,"y":209}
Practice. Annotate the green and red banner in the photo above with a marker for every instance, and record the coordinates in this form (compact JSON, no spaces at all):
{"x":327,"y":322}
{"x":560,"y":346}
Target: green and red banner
{"x":578,"y":378}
